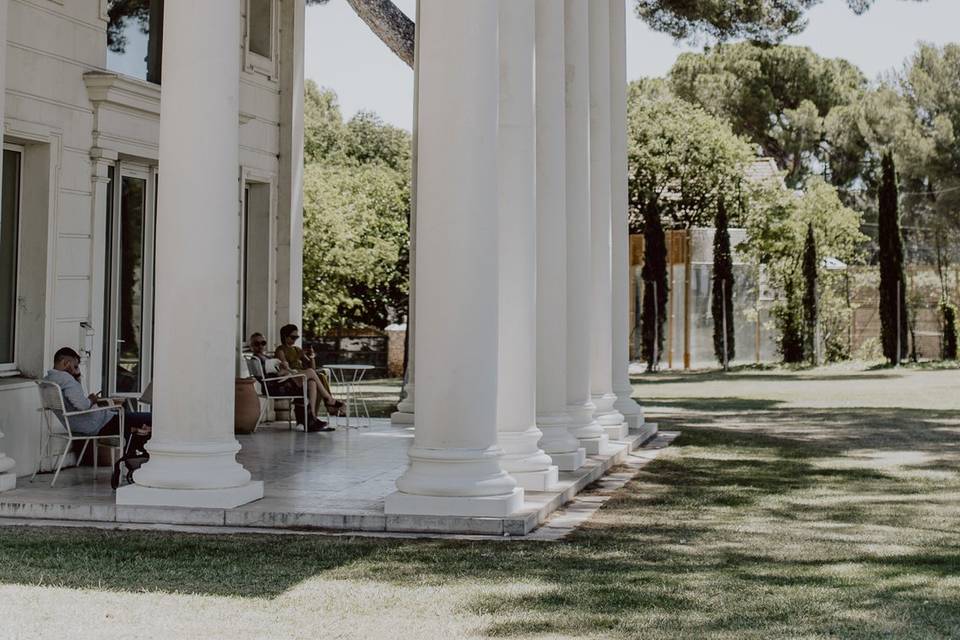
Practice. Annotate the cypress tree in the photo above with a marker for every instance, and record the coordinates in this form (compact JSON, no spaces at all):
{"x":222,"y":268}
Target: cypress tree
{"x":949,"y":311}
{"x":655,"y":292}
{"x":722,"y":301}
{"x":810,"y":295}
{"x":791,"y":325}
{"x":891,"y":266}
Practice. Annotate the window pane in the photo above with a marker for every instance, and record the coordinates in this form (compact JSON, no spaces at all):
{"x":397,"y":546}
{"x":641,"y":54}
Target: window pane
{"x":9,"y":226}
{"x":130,"y":295}
{"x":134,"y":38}
{"x":260,"y":24}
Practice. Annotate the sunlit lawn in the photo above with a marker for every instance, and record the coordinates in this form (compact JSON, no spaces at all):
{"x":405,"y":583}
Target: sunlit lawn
{"x":801,"y":505}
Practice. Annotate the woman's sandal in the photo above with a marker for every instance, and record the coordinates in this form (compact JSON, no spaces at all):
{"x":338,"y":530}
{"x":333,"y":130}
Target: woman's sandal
{"x":336,"y":409}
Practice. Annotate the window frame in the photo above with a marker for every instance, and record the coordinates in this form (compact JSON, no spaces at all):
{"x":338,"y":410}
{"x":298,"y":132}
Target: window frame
{"x":12,"y":368}
{"x":150,"y":176}
{"x":253,"y":61}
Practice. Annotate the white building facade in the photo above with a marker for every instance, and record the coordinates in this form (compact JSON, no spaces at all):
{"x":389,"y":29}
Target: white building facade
{"x":151,"y":218}
{"x":81,"y":134}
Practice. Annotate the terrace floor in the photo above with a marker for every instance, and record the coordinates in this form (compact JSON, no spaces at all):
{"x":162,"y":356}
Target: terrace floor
{"x":335,"y":481}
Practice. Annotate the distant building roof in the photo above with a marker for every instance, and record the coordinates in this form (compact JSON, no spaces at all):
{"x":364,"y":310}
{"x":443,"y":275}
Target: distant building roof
{"x":762,"y":169}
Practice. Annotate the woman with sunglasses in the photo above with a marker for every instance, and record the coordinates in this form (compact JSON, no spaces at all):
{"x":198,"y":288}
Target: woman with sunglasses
{"x":301,"y":361}
{"x":288,"y":387}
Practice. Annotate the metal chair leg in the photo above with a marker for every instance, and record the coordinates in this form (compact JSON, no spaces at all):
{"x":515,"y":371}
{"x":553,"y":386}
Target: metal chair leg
{"x":63,"y":456}
{"x":40,"y":461}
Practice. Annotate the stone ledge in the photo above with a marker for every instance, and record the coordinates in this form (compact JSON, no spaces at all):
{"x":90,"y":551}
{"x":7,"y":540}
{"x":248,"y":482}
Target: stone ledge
{"x":537,"y":508}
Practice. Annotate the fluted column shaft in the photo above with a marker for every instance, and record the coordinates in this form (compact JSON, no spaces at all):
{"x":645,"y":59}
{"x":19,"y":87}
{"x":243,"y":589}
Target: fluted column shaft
{"x":580,"y":407}
{"x":454,"y":460}
{"x":193,"y":449}
{"x":516,"y":147}
{"x":625,"y":404}
{"x":552,"y":416}
{"x":601,"y":292}
{"x":404,"y":415}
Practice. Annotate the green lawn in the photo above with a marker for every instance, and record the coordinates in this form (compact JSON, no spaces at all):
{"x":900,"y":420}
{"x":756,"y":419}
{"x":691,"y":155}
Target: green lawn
{"x":802,"y":505}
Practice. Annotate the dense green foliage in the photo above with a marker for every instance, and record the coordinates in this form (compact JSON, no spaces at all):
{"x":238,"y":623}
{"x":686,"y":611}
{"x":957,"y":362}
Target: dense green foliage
{"x":776,"y":236}
{"x":721,"y":306}
{"x":810,"y":295}
{"x":680,"y":157}
{"x":655,"y":290}
{"x":782,"y":99}
{"x":356,"y":211}
{"x":893,"y":285}
{"x":766,"y":21}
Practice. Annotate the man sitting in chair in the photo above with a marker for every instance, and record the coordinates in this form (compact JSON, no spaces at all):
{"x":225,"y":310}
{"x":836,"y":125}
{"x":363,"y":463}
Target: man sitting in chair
{"x":66,"y":375}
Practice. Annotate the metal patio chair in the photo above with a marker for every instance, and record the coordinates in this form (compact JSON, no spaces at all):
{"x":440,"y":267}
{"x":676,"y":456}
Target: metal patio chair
{"x":256,"y":370}
{"x":53,"y":406}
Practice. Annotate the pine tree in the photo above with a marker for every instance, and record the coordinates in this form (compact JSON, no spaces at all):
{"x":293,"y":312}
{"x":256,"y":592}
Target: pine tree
{"x":810,"y":295}
{"x":722,"y":299}
{"x":655,"y":292}
{"x":892,"y":278}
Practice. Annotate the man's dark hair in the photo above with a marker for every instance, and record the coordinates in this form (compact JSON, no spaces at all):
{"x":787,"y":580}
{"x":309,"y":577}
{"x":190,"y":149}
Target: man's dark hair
{"x":286,"y":330}
{"x":65,"y":353}
{"x":255,"y":334}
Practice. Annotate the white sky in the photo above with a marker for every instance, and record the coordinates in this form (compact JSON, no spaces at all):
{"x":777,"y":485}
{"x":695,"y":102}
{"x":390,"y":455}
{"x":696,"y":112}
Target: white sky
{"x":341,"y":53}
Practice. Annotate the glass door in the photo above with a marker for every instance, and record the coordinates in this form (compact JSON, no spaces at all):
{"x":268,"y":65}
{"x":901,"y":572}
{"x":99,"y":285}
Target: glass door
{"x":9,"y":254}
{"x":130,"y":308}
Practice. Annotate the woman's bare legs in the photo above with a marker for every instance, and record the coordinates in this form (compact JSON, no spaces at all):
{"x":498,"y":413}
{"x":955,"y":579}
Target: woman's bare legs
{"x":318,"y":385}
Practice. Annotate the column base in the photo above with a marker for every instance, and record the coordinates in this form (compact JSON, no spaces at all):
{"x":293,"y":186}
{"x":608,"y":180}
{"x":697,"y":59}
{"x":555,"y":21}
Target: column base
{"x":617,"y":432}
{"x":401,"y":418}
{"x":8,"y":482}
{"x":138,"y":495}
{"x":634,"y":421}
{"x":595,"y":446}
{"x":570,"y":461}
{"x":542,"y":480}
{"x":399,"y":503}
{"x":646,"y":431}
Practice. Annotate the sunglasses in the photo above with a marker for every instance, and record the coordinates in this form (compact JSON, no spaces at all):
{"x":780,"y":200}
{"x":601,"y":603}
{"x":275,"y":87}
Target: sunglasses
{"x":259,"y":343}
{"x":294,"y":337}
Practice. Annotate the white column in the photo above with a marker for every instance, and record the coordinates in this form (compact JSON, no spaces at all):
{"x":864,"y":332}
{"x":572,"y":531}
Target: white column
{"x":193,"y":450}
{"x":601,"y":291}
{"x":621,"y":238}
{"x":455,"y":459}
{"x":552,"y":417}
{"x":517,"y":209}
{"x":8,"y":478}
{"x":288,"y":307}
{"x":404,"y":413}
{"x":580,"y":407}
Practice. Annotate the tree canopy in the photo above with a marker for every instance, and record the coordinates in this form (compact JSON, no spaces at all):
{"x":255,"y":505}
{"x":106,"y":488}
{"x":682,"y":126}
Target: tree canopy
{"x":780,"y":98}
{"x":681,"y":158}
{"x":356,"y":211}
{"x":767,"y":21}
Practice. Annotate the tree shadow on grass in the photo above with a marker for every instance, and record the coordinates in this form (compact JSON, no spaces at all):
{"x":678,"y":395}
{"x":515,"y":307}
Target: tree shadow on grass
{"x":761,"y":524}
{"x":689,"y":377}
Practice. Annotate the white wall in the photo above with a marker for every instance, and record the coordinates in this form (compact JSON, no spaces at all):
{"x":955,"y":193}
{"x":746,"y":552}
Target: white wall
{"x":65,"y":107}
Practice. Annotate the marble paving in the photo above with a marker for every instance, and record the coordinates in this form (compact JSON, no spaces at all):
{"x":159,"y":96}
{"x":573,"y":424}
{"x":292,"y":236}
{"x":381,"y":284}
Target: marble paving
{"x":333,"y":481}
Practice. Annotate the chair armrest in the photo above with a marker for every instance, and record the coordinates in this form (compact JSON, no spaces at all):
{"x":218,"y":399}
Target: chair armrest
{"x":289,"y":377}
{"x":70,"y":414}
